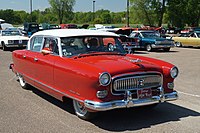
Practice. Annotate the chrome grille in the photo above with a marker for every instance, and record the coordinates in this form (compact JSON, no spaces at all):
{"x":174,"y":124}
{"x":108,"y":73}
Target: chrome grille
{"x":137,"y":82}
{"x":165,"y":42}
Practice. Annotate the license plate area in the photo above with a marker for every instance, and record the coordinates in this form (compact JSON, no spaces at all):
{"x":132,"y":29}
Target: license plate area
{"x":144,"y":93}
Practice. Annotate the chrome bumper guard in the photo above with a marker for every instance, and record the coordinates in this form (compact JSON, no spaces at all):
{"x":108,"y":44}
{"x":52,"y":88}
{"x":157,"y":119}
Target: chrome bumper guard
{"x":127,"y":103}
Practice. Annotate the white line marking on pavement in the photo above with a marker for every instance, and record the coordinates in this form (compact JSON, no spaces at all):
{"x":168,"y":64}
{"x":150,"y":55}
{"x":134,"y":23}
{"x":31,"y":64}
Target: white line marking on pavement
{"x":189,"y":94}
{"x":12,"y":78}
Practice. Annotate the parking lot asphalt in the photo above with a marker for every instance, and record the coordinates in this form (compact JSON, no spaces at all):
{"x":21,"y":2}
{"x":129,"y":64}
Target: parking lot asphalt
{"x":33,"y":111}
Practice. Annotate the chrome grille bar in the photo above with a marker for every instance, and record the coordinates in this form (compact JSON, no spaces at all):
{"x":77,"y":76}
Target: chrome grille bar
{"x":137,"y":82}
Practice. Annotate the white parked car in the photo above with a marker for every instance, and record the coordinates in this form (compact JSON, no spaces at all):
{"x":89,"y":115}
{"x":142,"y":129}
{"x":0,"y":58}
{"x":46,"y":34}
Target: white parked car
{"x":12,"y":38}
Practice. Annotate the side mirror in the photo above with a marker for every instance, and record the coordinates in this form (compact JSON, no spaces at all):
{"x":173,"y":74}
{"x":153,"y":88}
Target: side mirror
{"x":46,"y":52}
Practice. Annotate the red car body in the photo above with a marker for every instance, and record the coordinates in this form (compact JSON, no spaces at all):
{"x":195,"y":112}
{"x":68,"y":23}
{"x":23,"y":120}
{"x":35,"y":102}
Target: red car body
{"x":96,"y":81}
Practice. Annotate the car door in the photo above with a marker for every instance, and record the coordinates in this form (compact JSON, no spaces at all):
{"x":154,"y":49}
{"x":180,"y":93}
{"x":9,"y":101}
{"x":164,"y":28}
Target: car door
{"x":44,"y":65}
{"x":29,"y":59}
{"x":136,"y":38}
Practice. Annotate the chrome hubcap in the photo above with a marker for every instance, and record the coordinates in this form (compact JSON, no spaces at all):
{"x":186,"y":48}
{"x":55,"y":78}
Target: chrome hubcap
{"x":21,"y":80}
{"x":79,"y":108}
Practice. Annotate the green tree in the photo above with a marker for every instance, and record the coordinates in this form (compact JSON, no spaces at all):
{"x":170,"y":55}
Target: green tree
{"x":61,"y":7}
{"x":8,"y":15}
{"x":148,"y":12}
{"x":106,"y":18}
{"x":141,"y":9}
{"x":182,"y":12}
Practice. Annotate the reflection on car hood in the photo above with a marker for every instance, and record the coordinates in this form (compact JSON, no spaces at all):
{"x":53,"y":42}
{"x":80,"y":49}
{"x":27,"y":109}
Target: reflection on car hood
{"x":116,"y":64}
{"x":155,"y":39}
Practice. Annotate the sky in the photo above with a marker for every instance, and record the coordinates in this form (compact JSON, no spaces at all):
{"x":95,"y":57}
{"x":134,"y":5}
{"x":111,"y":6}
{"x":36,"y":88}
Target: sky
{"x":81,"y":5}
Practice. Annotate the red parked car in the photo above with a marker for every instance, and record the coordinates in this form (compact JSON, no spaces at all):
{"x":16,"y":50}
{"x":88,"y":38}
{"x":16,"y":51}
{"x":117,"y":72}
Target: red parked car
{"x":80,"y":65}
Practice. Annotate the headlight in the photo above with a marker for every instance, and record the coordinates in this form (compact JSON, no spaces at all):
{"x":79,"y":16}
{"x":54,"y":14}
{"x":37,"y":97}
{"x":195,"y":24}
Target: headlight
{"x":104,"y":79}
{"x":10,"y":41}
{"x":174,"y":72}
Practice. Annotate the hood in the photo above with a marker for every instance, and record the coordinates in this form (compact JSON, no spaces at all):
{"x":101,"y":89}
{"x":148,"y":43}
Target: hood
{"x":118,"y":64}
{"x":15,"y":37}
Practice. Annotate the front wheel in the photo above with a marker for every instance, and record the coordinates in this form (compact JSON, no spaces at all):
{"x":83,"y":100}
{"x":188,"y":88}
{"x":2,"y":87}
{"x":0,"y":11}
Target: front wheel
{"x":149,"y":48}
{"x":178,"y":44}
{"x":4,"y":47}
{"x":82,"y":112}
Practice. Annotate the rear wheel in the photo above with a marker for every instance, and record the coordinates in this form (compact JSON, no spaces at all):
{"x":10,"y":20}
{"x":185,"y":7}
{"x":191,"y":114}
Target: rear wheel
{"x":149,"y":48}
{"x":82,"y":112}
{"x":22,"y":82}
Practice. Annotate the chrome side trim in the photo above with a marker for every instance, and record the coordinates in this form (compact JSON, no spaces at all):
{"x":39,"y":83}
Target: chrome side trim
{"x":127,"y":103}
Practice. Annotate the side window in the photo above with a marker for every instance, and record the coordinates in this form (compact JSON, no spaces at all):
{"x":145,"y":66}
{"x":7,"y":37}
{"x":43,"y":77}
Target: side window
{"x":36,"y":44}
{"x":133,"y":34}
{"x":51,"y":44}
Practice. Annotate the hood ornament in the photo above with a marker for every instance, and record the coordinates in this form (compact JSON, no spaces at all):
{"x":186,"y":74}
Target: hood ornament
{"x":133,"y":60}
{"x":136,"y":61}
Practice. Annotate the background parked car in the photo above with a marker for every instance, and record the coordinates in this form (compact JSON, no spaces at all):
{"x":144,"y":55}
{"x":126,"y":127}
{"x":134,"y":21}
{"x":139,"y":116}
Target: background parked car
{"x":151,"y":40}
{"x":31,"y":28}
{"x":12,"y":38}
{"x":188,"y":39}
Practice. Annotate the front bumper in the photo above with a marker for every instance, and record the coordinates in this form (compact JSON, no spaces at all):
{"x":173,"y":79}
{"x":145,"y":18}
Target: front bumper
{"x":126,"y":103}
{"x":161,"y":46}
{"x":15,"y":45}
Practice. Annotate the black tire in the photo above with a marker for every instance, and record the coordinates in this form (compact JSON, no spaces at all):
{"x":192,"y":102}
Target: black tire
{"x":4,"y":47}
{"x":82,"y":112}
{"x":22,"y":82}
{"x":149,"y":48}
{"x":166,"y":49}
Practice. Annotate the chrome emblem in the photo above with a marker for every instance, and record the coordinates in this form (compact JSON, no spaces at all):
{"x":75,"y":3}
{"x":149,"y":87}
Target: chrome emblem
{"x":141,"y":82}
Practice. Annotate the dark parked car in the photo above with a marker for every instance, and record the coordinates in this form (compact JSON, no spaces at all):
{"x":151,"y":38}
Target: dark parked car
{"x":30,"y":28}
{"x":151,"y":40}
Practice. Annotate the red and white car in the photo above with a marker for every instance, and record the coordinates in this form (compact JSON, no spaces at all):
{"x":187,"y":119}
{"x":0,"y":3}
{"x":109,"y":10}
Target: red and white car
{"x":81,"y":65}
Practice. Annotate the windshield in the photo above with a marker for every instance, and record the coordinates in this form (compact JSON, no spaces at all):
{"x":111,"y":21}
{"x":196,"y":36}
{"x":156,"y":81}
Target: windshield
{"x":73,"y":46}
{"x":150,"y":34}
{"x":11,"y":33}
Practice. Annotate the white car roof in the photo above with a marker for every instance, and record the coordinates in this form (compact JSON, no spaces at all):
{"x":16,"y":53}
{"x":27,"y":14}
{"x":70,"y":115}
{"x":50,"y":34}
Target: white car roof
{"x":74,"y":32}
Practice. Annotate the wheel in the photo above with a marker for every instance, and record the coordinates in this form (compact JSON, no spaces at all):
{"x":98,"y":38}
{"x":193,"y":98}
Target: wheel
{"x":166,"y":49}
{"x":149,"y":48}
{"x":22,"y":82}
{"x":4,"y":47}
{"x":82,"y":112}
{"x":178,"y":44}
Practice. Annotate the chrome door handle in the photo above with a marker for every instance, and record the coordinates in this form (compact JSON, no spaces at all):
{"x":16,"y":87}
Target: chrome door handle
{"x":24,"y":56}
{"x":35,"y":59}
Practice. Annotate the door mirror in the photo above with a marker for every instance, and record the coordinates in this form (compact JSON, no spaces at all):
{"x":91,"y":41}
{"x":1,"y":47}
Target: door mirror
{"x":46,"y":52}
